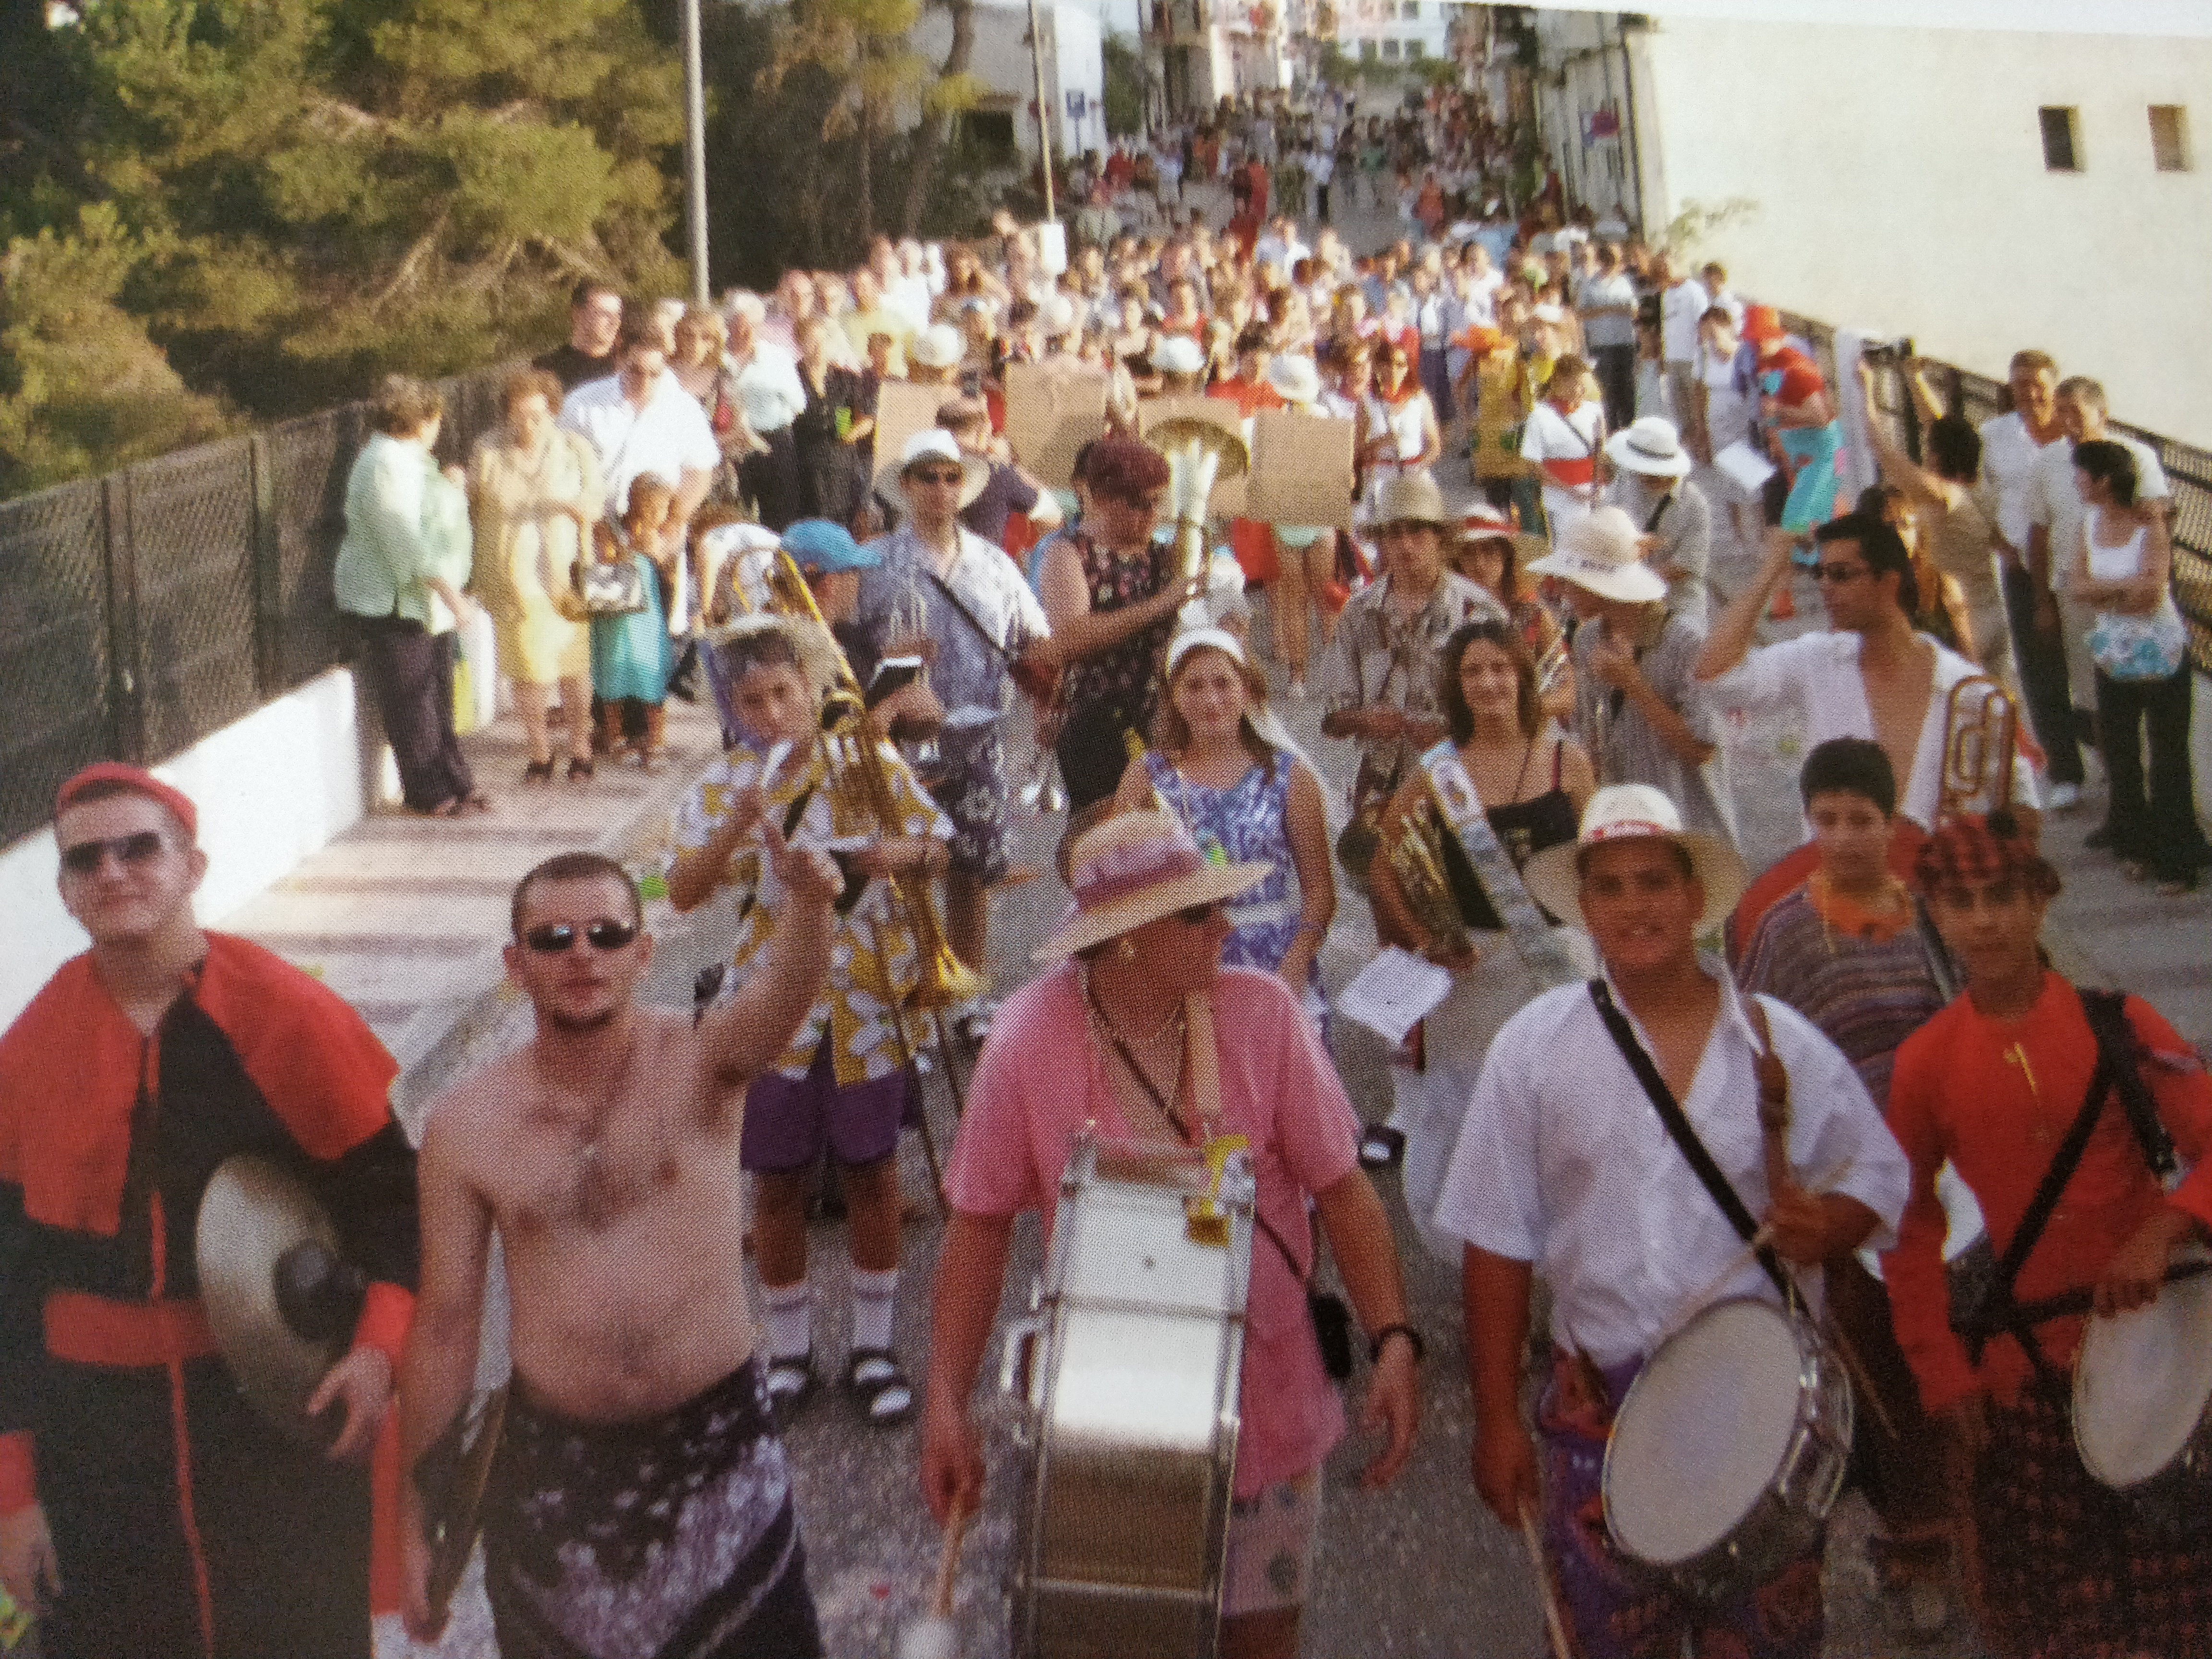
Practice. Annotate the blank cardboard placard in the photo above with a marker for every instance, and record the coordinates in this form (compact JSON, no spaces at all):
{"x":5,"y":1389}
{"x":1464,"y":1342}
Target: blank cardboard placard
{"x":1228,"y":497}
{"x":1301,"y":469}
{"x":1051,"y":413}
{"x":903,"y":408}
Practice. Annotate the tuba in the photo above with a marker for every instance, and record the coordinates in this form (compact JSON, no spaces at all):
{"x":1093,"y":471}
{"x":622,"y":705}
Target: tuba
{"x":1200,"y":454}
{"x":1980,"y":724}
{"x":1419,"y":862}
{"x":855,"y":764}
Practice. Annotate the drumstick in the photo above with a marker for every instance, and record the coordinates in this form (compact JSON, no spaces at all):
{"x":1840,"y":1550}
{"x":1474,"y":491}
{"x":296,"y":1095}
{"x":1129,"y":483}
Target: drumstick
{"x":1553,"y":1621}
{"x":948,"y":1560}
{"x":935,"y":1636}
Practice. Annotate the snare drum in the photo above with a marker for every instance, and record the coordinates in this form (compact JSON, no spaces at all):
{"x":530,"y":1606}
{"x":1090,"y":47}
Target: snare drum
{"x":2142,"y":1399}
{"x":1730,"y":1450}
{"x":1130,"y":1408}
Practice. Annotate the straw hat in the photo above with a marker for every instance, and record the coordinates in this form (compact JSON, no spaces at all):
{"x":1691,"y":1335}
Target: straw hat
{"x":1411,"y":498}
{"x":1651,"y":446}
{"x":933,"y":443}
{"x":1599,"y":552}
{"x":1628,"y":811}
{"x":1133,"y":868}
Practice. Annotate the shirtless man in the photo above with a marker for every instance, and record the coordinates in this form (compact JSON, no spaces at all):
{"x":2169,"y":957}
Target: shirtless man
{"x":1871,"y":676}
{"x":642,"y":1493}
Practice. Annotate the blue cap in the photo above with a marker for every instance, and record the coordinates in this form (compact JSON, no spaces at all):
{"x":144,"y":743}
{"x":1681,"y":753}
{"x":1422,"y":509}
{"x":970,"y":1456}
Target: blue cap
{"x":821,"y":547}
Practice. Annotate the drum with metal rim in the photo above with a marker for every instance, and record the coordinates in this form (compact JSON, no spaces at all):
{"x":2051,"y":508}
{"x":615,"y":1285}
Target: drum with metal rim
{"x":2142,"y":1399}
{"x":1129,"y":1405}
{"x":1730,"y":1450}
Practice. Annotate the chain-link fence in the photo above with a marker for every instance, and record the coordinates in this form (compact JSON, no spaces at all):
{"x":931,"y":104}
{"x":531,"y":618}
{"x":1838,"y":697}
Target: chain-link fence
{"x":141,"y":612}
{"x":2188,"y":470}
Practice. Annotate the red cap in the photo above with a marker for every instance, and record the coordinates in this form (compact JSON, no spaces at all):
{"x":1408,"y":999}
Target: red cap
{"x":137,"y":778}
{"x":1762,"y":324}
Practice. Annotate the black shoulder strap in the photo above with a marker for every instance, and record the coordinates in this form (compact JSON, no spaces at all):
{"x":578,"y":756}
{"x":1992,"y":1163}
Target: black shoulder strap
{"x":2117,"y":1043}
{"x":1678,"y":1125}
{"x":968,"y":616}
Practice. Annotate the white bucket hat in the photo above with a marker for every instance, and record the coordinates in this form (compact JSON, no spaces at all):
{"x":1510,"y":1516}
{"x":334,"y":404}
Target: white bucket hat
{"x":1651,"y":446}
{"x":1178,"y":354}
{"x":1295,"y":378}
{"x":1598,"y":552}
{"x":938,"y":346}
{"x":1629,"y":811}
{"x":1058,"y":315}
{"x":931,"y":442}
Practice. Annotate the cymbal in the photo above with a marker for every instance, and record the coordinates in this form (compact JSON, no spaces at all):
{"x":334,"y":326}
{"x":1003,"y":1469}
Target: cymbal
{"x":280,"y":1298}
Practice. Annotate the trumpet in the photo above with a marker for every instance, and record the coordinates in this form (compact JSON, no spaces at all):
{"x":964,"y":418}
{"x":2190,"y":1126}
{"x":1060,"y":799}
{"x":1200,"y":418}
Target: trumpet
{"x":1980,"y":722}
{"x":1417,"y":860}
{"x":856,"y":764}
{"x":1200,"y":454}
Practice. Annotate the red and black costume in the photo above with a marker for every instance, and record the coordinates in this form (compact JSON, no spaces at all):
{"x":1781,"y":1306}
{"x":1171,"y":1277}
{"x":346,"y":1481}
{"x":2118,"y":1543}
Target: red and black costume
{"x":185,"y":1524}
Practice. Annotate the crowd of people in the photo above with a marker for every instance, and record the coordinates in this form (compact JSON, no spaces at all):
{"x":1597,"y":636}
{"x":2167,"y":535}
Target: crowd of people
{"x":1534,"y":690}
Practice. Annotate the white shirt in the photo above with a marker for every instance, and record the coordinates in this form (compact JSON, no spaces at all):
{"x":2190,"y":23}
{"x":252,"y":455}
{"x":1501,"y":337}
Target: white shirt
{"x":770,"y":389}
{"x":2056,"y":504}
{"x":1820,"y":673}
{"x":669,"y":437}
{"x":1681,"y":307}
{"x":1563,"y":1163}
{"x":1608,"y":294}
{"x":1550,"y":435}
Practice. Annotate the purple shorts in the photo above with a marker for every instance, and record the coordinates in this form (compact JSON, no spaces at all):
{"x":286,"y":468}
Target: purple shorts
{"x":789,"y":1120}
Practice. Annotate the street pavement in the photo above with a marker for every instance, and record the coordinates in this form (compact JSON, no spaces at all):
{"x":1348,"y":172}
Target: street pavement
{"x":404,"y":916}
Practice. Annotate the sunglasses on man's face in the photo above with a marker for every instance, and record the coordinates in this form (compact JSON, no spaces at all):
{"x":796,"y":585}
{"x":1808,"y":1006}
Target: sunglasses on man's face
{"x":933,"y":475}
{"x":129,"y":851}
{"x":1839,"y":575}
{"x":555,"y":936}
{"x":1197,"y":915}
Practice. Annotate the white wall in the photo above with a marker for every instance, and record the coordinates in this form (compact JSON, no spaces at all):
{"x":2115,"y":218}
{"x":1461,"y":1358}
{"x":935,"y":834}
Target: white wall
{"x":272,"y":788}
{"x":1900,"y":182}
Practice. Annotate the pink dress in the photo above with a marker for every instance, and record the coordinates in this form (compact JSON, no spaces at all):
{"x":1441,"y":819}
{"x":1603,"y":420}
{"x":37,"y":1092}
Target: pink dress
{"x":1026,"y":1106}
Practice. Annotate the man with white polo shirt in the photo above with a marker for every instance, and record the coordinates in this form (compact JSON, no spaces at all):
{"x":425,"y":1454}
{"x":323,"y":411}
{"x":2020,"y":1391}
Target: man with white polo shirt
{"x":640,"y":421}
{"x":1613,"y":1145}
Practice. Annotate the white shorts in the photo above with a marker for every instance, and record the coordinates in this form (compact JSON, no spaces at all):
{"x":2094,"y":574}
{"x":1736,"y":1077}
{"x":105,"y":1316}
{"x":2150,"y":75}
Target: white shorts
{"x":1271,"y":1539}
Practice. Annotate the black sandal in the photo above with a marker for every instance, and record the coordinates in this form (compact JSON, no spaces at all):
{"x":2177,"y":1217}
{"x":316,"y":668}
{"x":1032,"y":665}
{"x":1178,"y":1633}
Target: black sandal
{"x":875,"y":1376}
{"x":579,"y":769}
{"x":790,"y":1385}
{"x":538,"y":772}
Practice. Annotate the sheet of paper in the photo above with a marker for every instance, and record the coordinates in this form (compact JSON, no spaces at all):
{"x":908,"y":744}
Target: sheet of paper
{"x":1392,"y":992}
{"x":1051,"y":413}
{"x":901,"y":411}
{"x":1301,"y":469}
{"x":1745,"y":466}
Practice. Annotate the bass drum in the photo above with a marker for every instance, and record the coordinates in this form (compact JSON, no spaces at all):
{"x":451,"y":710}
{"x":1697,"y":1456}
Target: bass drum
{"x":1129,"y":1409}
{"x":2142,"y":1399}
{"x":1730,"y":1450}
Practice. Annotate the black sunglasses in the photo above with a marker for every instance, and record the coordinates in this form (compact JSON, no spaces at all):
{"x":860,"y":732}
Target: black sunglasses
{"x":1197,"y":915}
{"x":930,"y":476}
{"x":556,"y":937}
{"x":130,"y":851}
{"x":1840,"y":575}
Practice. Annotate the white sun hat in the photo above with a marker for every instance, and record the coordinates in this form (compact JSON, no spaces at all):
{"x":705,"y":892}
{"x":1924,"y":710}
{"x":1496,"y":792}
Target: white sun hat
{"x":1651,"y":446}
{"x":1599,"y":552}
{"x":1630,"y":812}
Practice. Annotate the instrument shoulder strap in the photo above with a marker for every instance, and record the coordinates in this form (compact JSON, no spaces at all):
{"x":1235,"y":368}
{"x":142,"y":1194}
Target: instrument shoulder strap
{"x":968,"y":616}
{"x":2118,"y":1071}
{"x":1693,"y":1149}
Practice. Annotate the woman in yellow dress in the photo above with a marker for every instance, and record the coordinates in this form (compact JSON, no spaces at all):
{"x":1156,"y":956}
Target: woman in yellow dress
{"x":533,"y":494}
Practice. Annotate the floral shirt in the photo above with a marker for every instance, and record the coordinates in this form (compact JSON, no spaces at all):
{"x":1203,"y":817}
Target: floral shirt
{"x":873,"y":959}
{"x":1375,"y":660}
{"x":1121,"y":676}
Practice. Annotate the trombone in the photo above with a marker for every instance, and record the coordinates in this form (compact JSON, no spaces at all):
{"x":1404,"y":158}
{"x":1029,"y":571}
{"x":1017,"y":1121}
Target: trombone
{"x":1981,"y":722}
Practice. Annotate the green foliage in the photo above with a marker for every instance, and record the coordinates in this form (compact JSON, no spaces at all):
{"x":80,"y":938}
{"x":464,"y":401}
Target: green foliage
{"x":298,"y":194}
{"x":1687,"y":232}
{"x":1125,"y":86}
{"x":82,"y":388}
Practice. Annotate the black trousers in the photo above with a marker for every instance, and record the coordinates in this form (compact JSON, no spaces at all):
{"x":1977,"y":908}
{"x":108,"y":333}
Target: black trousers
{"x":2042,"y":658}
{"x":1615,"y":368}
{"x":2158,"y":825}
{"x":1321,"y":203}
{"x":772,"y":480}
{"x":281,"y":1533}
{"x":1094,"y":751}
{"x":411,"y":672}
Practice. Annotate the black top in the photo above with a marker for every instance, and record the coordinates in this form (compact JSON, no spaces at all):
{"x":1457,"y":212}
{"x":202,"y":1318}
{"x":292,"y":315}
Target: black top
{"x":572,"y":368}
{"x":1523,"y":829}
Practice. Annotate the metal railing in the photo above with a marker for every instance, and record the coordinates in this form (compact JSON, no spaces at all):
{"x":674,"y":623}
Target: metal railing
{"x":2188,"y":468}
{"x":143,"y":611}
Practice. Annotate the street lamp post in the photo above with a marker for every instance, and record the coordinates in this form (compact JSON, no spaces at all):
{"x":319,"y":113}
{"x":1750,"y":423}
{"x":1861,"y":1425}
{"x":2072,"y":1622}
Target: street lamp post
{"x":694,"y":153}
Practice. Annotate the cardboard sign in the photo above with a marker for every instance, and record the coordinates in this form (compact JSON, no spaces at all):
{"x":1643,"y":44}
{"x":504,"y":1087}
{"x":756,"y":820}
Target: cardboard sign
{"x":1051,"y":413}
{"x":1301,"y":469}
{"x":902,"y":409}
{"x":1228,"y":498}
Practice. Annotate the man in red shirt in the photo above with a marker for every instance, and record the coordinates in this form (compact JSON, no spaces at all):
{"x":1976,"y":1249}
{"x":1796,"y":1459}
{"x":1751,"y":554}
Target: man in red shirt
{"x":1994,"y":1083}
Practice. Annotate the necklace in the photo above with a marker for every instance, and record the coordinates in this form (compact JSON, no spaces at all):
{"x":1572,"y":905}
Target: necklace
{"x":1109,"y":1039}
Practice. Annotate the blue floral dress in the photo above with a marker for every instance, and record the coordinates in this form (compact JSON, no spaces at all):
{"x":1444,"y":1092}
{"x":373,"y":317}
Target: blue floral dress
{"x":1246,"y":822}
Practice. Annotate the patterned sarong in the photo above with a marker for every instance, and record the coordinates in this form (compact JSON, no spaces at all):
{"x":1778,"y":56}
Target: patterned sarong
{"x":673,"y":1538}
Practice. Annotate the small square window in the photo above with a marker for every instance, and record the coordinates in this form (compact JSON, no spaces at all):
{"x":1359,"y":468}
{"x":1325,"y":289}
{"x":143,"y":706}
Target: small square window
{"x":1367,"y":50}
{"x":1410,"y":10}
{"x":1412,"y":49}
{"x":2062,"y":148}
{"x":1390,"y":51}
{"x":2169,"y":138}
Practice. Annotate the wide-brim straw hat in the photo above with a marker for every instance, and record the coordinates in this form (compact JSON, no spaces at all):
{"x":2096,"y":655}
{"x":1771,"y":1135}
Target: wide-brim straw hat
{"x":1599,"y":552}
{"x":1413,"y":498}
{"x":1630,"y":812}
{"x":937,"y":443}
{"x":1134,"y":868}
{"x":1651,"y":446}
